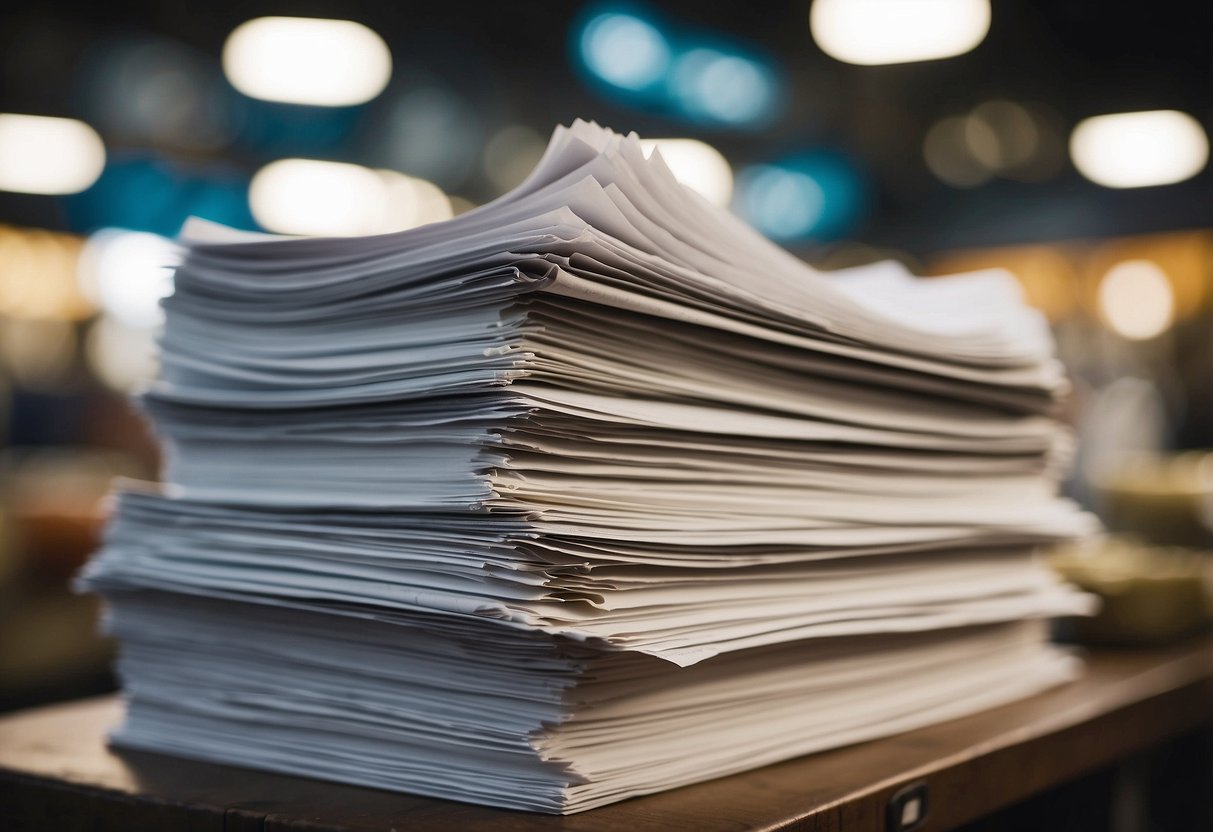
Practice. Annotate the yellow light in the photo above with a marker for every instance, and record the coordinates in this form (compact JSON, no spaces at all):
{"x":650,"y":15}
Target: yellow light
{"x":121,"y":357}
{"x":1134,"y":150}
{"x":38,"y":353}
{"x":41,"y":155}
{"x":38,"y":275}
{"x":1016,"y":136}
{"x":329,"y":63}
{"x":335,"y":199}
{"x":948,"y":151}
{"x":127,"y":273}
{"x":871,"y":32}
{"x":304,"y":196}
{"x":696,"y":164}
{"x":1136,"y":299}
{"x":411,"y":202}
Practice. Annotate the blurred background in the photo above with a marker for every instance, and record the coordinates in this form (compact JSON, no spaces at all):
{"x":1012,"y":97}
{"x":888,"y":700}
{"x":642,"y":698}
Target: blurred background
{"x":1063,"y":140}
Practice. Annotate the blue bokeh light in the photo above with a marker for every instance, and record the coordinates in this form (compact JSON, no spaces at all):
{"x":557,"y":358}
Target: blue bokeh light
{"x":145,"y":192}
{"x":716,"y":86}
{"x":785,"y":204}
{"x":276,"y":129}
{"x":625,"y":50}
{"x":631,"y":55}
{"x":813,"y":196}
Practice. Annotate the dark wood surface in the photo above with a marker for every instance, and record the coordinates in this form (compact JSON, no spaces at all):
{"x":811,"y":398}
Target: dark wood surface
{"x":57,"y":773}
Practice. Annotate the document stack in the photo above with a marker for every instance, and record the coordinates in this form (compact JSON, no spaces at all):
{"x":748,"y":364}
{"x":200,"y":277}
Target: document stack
{"x":587,"y":493}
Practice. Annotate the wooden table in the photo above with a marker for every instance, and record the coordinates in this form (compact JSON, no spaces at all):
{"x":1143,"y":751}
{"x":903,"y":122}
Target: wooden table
{"x":56,"y":773}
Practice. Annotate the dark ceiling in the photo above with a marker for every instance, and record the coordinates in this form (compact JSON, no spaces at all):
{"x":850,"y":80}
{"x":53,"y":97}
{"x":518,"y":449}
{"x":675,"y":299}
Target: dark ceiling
{"x":1074,"y":58}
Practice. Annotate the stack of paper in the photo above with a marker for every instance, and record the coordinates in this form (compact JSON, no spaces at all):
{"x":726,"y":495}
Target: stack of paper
{"x":587,"y":493}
